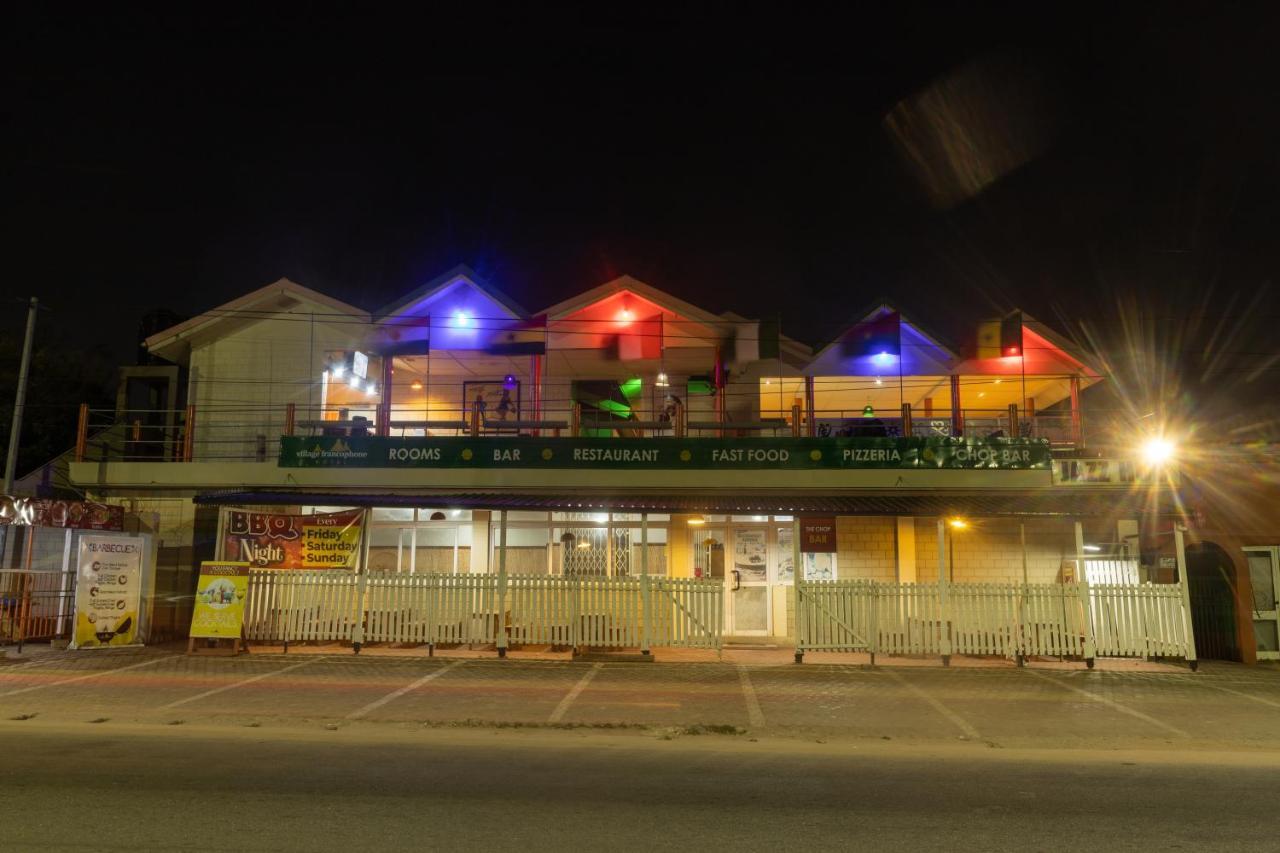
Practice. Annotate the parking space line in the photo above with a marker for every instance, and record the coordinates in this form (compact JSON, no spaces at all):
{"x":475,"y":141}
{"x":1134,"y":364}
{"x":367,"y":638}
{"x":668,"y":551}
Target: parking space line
{"x":754,"y":714}
{"x":563,"y":708}
{"x":242,"y":683}
{"x":396,"y":694}
{"x":1111,"y":703}
{"x":1271,"y":702}
{"x":88,"y":676}
{"x":960,"y":722}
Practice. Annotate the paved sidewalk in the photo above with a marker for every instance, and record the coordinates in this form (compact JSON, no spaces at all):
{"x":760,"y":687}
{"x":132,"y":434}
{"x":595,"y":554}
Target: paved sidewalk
{"x":1223,"y":706}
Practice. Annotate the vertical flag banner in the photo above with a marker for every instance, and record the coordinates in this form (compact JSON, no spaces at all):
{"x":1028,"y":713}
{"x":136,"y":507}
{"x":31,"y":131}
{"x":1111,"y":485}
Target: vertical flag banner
{"x":219,"y":605}
{"x":756,"y":341}
{"x":1000,"y":338}
{"x":517,"y":337}
{"x":108,"y":591}
{"x":405,"y":337}
{"x":268,"y":540}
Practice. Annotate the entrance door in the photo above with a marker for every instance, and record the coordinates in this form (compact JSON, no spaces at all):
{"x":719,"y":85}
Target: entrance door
{"x":1264,"y":573}
{"x":747,"y":580}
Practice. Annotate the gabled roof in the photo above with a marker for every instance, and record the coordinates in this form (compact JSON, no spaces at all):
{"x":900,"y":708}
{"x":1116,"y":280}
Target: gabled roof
{"x":279,"y":297}
{"x":625,"y":283}
{"x":919,"y":344}
{"x":1045,"y":351}
{"x":438,"y":286}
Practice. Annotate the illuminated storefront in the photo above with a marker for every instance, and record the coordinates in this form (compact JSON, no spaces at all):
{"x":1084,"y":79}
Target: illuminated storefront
{"x":627,"y":433}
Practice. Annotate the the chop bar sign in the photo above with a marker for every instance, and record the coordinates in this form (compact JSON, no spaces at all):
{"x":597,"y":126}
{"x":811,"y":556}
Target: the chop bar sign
{"x":818,"y":535}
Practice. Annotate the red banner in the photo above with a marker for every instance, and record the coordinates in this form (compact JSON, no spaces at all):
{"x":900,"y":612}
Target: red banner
{"x":817,"y":535}
{"x":269,"y":540}
{"x":79,"y":515}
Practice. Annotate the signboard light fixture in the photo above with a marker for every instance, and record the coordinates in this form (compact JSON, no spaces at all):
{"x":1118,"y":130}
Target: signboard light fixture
{"x":359,"y":364}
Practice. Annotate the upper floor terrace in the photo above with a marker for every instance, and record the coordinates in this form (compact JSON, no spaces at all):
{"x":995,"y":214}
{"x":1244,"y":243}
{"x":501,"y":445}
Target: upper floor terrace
{"x":458,"y":358}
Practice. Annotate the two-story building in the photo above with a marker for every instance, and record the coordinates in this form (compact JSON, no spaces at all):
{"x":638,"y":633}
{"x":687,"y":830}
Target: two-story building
{"x":627,"y":434}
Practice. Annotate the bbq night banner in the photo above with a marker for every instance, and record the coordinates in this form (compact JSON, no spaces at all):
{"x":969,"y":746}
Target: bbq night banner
{"x":713,"y":454}
{"x":270,"y":540}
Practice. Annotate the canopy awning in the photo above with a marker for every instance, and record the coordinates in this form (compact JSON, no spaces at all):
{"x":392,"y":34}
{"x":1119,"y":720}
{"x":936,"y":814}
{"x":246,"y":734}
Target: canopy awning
{"x":1056,"y":503}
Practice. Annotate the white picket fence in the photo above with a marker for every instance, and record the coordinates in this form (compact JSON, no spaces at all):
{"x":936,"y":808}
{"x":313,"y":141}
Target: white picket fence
{"x":433,"y":609}
{"x":429,"y":609}
{"x":1004,"y":619}
{"x":299,"y":606}
{"x":1140,"y":619}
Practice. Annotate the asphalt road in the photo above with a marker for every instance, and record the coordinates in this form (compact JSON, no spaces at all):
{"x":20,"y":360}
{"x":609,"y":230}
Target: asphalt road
{"x":81,"y":787}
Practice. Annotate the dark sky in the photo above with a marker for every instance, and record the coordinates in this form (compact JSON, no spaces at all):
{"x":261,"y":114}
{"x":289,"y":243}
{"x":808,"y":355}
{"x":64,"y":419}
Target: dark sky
{"x":1078,"y":162}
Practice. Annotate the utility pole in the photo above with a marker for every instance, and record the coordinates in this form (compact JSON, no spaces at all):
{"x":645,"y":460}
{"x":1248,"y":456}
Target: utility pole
{"x":19,"y":401}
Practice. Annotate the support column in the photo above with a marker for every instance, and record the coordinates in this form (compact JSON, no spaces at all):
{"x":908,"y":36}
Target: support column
{"x":812,"y":424}
{"x":536,"y":370}
{"x":1180,"y":550}
{"x":797,"y":574}
{"x":1022,"y":599}
{"x":944,"y":627}
{"x":906,"y":549}
{"x":957,"y":414}
{"x":362,"y":581}
{"x":1077,"y":423}
{"x":1086,"y":599}
{"x":384,"y":410}
{"x":502,"y":585}
{"x":646,"y":603}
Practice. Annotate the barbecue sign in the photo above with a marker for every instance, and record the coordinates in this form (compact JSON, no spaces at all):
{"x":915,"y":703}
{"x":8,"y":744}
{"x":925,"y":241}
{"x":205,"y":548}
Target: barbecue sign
{"x":108,"y":591}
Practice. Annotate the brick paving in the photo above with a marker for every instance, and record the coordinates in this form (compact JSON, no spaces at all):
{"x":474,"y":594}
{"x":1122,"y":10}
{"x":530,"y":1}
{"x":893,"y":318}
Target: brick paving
{"x":1049,"y":704}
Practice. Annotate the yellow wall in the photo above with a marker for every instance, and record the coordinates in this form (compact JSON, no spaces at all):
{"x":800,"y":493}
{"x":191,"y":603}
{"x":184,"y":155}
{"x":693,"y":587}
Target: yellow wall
{"x":679,"y":556}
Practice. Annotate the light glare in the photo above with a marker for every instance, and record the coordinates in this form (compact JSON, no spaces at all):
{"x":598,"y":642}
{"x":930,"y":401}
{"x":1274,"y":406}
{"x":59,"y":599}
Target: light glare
{"x":1157,"y":451}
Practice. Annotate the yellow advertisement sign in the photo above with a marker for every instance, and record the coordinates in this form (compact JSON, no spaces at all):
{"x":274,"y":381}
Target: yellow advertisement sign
{"x":108,"y":591}
{"x":220,"y":595}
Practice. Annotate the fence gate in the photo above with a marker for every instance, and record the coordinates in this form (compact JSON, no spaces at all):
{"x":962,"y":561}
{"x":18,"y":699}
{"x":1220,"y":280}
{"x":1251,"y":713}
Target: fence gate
{"x":686,"y":612}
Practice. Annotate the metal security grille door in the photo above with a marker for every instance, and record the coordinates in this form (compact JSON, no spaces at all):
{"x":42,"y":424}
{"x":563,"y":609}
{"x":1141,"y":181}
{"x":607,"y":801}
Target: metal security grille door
{"x":748,"y":582}
{"x":585,"y":552}
{"x":1264,"y":573}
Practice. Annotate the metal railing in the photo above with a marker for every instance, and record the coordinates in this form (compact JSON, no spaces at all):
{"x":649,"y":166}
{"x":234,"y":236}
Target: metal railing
{"x":252,"y":432}
{"x":36,"y":605}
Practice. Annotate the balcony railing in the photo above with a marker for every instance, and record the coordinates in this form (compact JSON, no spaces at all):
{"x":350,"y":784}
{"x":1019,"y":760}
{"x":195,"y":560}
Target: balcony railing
{"x":251,"y":433}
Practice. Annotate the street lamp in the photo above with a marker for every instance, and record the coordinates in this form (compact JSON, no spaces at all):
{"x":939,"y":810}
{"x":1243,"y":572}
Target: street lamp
{"x":1158,"y":451}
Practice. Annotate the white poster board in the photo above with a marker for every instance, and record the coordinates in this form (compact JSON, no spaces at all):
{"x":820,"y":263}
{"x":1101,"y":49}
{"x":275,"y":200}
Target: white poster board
{"x":108,"y":591}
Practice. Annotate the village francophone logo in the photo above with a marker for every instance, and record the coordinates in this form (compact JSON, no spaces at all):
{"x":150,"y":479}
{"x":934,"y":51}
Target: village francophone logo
{"x":338,"y":451}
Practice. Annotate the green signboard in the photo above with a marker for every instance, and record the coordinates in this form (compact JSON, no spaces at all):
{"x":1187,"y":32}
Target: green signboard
{"x":710,"y":454}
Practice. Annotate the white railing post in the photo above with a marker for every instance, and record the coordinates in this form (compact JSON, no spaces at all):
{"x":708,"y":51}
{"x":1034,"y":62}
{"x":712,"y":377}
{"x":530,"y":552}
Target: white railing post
{"x":944,"y":608}
{"x":500,"y":624}
{"x":646,"y":610}
{"x":357,"y":630}
{"x":1180,"y":550}
{"x":1086,"y":599}
{"x":797,"y":581}
{"x":1021,"y":650}
{"x":362,"y":567}
{"x":289,"y":616}
{"x":875,"y":621}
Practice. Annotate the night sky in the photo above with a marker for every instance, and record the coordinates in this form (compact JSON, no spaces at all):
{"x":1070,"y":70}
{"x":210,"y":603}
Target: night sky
{"x":961,"y":159}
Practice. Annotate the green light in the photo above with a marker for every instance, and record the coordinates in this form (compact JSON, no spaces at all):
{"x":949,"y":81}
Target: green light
{"x":868,"y":411}
{"x":632,"y":387}
{"x":614,"y":407}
